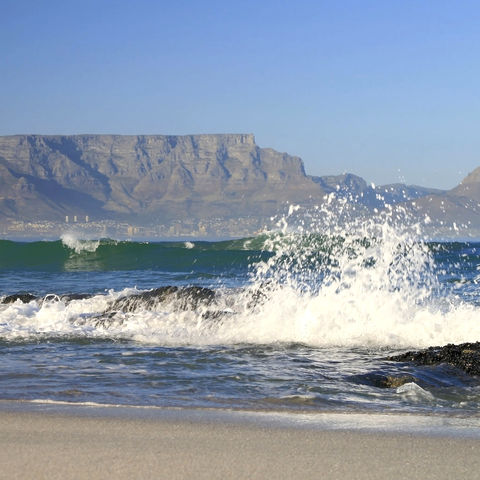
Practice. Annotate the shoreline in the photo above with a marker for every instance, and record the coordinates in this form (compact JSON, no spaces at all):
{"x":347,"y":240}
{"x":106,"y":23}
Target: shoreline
{"x":178,"y":444}
{"x":387,"y":422}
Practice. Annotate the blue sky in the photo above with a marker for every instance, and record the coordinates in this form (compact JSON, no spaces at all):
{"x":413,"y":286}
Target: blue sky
{"x":388,"y":90}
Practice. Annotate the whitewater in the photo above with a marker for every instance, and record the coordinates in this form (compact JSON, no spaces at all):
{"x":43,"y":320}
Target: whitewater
{"x":303,"y":318}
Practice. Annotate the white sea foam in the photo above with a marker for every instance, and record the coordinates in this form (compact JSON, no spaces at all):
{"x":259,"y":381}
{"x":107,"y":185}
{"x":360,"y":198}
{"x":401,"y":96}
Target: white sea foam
{"x":325,"y":319}
{"x":370,"y":285}
{"x":189,"y":245}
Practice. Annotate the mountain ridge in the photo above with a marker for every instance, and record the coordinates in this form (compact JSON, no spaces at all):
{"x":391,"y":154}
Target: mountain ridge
{"x":162,"y":178}
{"x":147,"y":175}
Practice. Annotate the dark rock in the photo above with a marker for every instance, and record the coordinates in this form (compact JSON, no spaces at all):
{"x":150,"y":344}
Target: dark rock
{"x":465,"y":356}
{"x":383,"y":381}
{"x":393,"y":381}
{"x":174,"y":298}
{"x":104,"y":320}
{"x":23,"y":297}
{"x":187,"y":298}
{"x":74,"y":296}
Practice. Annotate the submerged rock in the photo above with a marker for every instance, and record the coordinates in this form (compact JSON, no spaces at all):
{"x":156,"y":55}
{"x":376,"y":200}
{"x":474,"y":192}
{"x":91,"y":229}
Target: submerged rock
{"x":380,"y":380}
{"x":465,"y":356}
{"x":23,"y":297}
{"x":392,"y":381}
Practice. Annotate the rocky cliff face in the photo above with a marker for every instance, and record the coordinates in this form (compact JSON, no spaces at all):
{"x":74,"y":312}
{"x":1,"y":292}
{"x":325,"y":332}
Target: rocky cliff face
{"x":146,"y":177}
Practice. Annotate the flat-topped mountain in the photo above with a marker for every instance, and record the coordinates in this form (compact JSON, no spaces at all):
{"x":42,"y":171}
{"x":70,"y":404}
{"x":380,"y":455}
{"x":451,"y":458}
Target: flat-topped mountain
{"x":156,"y":179}
{"x":146,"y":176}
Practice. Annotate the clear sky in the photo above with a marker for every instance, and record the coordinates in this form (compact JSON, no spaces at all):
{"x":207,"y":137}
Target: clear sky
{"x":388,"y":90}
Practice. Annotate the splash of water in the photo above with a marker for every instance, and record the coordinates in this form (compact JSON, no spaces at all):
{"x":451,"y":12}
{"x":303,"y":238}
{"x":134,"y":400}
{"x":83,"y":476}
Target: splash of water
{"x":340,"y":279}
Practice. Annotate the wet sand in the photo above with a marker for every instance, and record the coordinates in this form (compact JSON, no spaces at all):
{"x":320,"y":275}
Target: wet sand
{"x":58,"y":446}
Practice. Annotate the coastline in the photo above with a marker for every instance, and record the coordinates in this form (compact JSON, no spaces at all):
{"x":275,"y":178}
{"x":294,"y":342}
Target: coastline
{"x":44,"y":440}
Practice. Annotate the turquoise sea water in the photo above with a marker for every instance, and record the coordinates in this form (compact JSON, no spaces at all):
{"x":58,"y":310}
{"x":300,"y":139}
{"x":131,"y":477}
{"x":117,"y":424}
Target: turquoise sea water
{"x":286,"y":321}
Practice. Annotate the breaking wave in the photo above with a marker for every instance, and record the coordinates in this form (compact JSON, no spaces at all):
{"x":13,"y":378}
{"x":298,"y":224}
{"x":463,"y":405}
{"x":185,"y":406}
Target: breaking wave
{"x":72,"y":242}
{"x":74,"y":254}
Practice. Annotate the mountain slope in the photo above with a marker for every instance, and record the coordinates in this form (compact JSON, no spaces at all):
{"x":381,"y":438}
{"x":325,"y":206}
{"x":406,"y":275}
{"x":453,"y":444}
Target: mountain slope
{"x":147,"y":176}
{"x":371,"y":196}
{"x":455,"y":212}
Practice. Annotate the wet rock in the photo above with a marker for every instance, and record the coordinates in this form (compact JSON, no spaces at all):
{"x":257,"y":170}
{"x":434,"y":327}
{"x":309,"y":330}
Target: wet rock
{"x":187,"y":298}
{"x":392,"y":381}
{"x":23,"y":297}
{"x":383,"y":381}
{"x":68,"y":297}
{"x":465,"y":356}
{"x":260,"y":294}
{"x":103,"y":320}
{"x":173,"y":298}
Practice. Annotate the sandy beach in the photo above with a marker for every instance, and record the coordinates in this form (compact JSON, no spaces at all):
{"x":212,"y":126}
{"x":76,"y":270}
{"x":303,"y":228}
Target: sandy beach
{"x":58,"y":446}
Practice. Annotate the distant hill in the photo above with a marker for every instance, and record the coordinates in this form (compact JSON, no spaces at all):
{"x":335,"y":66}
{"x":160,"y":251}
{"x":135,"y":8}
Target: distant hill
{"x":469,"y":187}
{"x":455,"y":212}
{"x":371,"y":196}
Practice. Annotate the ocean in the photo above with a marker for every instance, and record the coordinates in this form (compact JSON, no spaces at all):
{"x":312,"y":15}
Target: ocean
{"x":303,"y":319}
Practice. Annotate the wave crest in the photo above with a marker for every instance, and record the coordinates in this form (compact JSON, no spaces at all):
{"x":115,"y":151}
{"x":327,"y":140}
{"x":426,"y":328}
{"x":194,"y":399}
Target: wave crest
{"x":78,"y":245}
